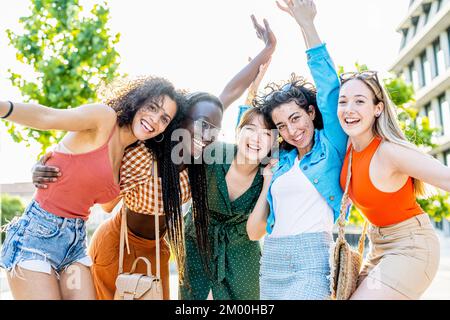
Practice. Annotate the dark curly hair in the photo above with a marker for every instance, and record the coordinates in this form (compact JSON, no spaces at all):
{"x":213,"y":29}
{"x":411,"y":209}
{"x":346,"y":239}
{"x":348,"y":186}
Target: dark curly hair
{"x":128,"y":96}
{"x":296,"y":89}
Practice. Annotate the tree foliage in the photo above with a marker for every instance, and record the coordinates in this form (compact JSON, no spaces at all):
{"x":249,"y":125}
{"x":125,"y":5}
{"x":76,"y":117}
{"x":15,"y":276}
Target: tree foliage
{"x":10,"y":208}
{"x":71,"y":52}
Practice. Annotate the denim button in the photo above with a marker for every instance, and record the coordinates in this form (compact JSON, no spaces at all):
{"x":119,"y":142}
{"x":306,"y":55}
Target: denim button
{"x":305,"y":168}
{"x":332,"y":198}
{"x":316,"y":181}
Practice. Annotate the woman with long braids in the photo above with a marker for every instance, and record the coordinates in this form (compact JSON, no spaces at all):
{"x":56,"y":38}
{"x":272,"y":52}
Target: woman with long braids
{"x":48,"y":242}
{"x":234,"y":183}
{"x":201,"y":110}
{"x":301,"y":197}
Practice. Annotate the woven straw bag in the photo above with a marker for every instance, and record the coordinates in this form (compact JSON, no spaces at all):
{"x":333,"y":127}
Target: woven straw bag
{"x":136,"y":286}
{"x":345,"y":262}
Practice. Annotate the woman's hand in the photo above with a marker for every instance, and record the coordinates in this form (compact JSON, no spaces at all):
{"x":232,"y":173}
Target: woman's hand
{"x":42,"y":174}
{"x":303,"y":11}
{"x":268,"y":171}
{"x":265,"y":33}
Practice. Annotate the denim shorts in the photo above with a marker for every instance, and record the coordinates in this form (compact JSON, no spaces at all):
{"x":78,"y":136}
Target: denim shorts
{"x":41,"y":241}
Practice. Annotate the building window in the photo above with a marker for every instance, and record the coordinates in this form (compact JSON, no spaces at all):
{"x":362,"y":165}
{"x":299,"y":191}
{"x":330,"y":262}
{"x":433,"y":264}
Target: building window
{"x":429,"y":112}
{"x":413,"y":75}
{"x":447,"y":158}
{"x":444,"y":113}
{"x":439,"y":5}
{"x":439,"y":58}
{"x":426,"y":12}
{"x":426,"y":69}
{"x":415,"y":22}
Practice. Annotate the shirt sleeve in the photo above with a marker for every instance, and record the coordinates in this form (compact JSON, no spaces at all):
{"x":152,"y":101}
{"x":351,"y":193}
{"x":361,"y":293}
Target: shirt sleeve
{"x":242,"y":110}
{"x":327,"y":83}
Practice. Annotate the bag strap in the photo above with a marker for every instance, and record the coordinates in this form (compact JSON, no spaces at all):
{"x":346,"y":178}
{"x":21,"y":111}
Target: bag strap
{"x":124,"y":228}
{"x":156,"y":192}
{"x":123,"y":238}
{"x":343,"y":209}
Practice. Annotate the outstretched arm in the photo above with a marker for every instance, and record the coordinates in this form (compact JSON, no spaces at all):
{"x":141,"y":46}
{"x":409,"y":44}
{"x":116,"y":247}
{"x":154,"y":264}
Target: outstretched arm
{"x":254,"y":87}
{"x":242,"y":80}
{"x":322,"y":69}
{"x":415,"y":164}
{"x":44,"y":118}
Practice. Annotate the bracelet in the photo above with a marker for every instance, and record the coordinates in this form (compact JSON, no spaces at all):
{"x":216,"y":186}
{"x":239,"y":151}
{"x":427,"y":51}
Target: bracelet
{"x":11,"y":107}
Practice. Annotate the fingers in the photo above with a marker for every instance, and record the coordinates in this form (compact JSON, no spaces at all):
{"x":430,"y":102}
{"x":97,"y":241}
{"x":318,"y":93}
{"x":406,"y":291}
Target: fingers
{"x":266,"y":25}
{"x":283,"y":8}
{"x":40,"y":186}
{"x":45,"y":157}
{"x":47,"y":170}
{"x":257,"y":26}
{"x":44,"y":180}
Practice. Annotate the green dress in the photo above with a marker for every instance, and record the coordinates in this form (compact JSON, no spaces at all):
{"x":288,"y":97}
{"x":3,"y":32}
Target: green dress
{"x":235,"y":259}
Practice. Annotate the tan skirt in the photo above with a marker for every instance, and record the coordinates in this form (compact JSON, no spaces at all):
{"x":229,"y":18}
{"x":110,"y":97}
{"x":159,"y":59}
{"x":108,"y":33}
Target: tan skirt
{"x":403,"y":256}
{"x":104,"y":251}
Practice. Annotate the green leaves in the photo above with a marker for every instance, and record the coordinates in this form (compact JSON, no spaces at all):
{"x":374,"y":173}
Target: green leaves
{"x":70,"y":56}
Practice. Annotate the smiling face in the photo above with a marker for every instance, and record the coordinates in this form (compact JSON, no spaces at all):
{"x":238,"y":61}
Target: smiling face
{"x":152,"y":119}
{"x":357,"y":111}
{"x":203,"y":125}
{"x":295,"y":125}
{"x":255,"y":140}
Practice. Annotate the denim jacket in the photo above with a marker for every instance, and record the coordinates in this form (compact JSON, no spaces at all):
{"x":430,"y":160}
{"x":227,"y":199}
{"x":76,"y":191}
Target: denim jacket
{"x":322,"y":165}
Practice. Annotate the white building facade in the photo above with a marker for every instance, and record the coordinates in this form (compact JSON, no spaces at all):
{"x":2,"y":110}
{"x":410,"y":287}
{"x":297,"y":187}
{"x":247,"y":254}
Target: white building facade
{"x":424,"y":62}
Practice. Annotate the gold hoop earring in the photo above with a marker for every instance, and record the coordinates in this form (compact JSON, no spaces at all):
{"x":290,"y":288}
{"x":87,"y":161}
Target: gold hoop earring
{"x":162,"y":138}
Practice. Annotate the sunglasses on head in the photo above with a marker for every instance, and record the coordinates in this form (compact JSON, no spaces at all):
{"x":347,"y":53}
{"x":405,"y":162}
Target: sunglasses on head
{"x":365,"y":76}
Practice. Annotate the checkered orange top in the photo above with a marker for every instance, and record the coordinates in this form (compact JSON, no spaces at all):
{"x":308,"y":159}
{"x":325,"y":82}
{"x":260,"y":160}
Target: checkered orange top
{"x":136,"y":182}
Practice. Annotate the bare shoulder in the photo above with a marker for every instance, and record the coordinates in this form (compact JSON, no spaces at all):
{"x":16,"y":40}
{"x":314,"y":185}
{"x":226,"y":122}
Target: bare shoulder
{"x":389,"y":153}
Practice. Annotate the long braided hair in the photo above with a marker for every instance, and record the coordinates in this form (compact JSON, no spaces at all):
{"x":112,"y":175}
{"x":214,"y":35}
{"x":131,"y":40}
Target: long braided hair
{"x":171,"y":193}
{"x":197,"y":179}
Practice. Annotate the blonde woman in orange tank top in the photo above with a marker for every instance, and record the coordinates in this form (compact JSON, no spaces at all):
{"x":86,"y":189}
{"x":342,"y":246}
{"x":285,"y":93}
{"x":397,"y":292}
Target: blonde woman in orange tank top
{"x":388,"y":173}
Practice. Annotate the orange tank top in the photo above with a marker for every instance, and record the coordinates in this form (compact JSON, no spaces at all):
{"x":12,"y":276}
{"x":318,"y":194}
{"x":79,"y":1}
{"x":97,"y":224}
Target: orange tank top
{"x":380,"y":208}
{"x":87,"y":179}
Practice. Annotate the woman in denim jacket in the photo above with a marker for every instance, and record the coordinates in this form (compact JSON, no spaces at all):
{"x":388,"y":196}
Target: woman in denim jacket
{"x":303,"y":191}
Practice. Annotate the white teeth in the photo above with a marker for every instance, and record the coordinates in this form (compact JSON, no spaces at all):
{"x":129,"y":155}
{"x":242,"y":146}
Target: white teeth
{"x":253,"y":147}
{"x":147,"y":126}
{"x":351,"y":120}
{"x":199,"y":143}
{"x":299,"y":137}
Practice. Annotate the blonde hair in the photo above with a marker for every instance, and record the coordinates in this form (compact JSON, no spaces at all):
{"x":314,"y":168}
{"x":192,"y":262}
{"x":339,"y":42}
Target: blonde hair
{"x":386,"y":126}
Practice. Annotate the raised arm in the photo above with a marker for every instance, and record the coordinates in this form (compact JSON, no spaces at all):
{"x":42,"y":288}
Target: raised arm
{"x":242,"y":80}
{"x":322,"y":70}
{"x":44,"y":118}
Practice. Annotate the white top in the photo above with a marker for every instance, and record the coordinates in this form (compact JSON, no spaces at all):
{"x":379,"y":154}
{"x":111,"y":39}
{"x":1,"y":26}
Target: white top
{"x":298,"y":206}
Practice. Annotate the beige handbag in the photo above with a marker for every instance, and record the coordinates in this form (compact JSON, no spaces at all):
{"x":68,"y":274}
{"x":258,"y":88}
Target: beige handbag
{"x":345,"y":262}
{"x":136,"y":286}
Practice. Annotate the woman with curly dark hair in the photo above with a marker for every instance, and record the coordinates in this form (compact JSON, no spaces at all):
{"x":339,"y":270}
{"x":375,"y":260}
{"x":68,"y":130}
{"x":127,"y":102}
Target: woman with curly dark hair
{"x":301,"y":194}
{"x":45,"y":249}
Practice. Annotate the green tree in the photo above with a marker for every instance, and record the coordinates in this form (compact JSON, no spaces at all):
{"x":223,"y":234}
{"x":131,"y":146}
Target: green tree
{"x":10,"y":207}
{"x":418,"y":131}
{"x":71,"y":52}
